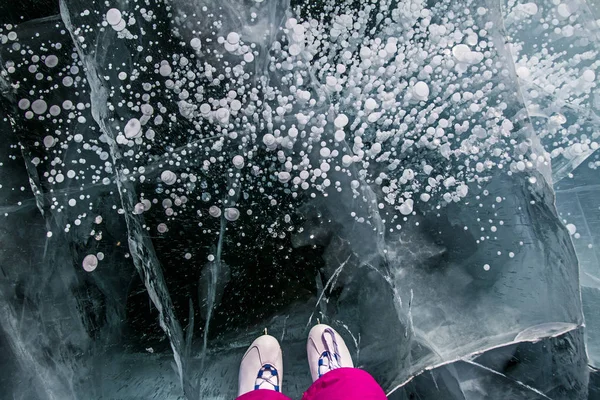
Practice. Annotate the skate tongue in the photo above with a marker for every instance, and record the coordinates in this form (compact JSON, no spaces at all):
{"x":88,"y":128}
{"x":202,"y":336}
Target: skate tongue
{"x":330,"y":359}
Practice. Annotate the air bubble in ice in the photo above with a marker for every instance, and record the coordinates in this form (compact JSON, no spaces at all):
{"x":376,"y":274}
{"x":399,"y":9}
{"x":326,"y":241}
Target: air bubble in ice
{"x":222,"y":115}
{"x":162,"y":227}
{"x":39,"y":106}
{"x":283,"y":176}
{"x":51,"y":61}
{"x":138,"y":208}
{"x":236,"y":105}
{"x":370,"y":104}
{"x":214,"y":211}
{"x":24,"y":104}
{"x":340,"y":121}
{"x":407,"y":207}
{"x":168,"y":177}
{"x":294,"y":49}
{"x":90,"y":262}
{"x":530,"y":8}
{"x":269,"y":140}
{"x":54,"y":110}
{"x":165,"y":69}
{"x":133,"y":129}
{"x":196,"y":43}
{"x":232,"y":214}
{"x":588,"y":75}
{"x":238,"y":161}
{"x":113,"y":16}
{"x":421,"y":91}
{"x":120,"y":26}
{"x":233,"y":38}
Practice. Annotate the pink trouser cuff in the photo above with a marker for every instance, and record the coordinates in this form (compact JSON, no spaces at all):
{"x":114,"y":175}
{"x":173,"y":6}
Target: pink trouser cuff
{"x":339,"y":384}
{"x":345,"y":384}
{"x":263,"y":394}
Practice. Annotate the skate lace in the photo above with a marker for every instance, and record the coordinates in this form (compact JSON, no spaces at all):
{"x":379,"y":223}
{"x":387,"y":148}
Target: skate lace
{"x":267,"y":376}
{"x":330,"y":359}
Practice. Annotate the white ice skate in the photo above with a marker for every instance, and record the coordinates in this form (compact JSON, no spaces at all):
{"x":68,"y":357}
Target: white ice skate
{"x":326,"y":351}
{"x":261,"y":366}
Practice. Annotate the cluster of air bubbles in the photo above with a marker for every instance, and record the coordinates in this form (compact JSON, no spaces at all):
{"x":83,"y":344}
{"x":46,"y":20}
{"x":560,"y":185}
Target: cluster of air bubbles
{"x":420,"y":111}
{"x":168,"y":177}
{"x":115,"y":19}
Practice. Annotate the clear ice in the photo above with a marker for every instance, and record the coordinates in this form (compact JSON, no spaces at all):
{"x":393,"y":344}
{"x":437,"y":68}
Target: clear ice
{"x":177,"y":175}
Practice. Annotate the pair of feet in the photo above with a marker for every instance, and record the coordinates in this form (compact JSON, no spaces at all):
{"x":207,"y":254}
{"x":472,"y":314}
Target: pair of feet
{"x":262,"y":365}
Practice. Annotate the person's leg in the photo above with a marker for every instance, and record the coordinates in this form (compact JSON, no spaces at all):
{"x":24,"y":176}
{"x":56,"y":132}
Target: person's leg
{"x":261,"y":371}
{"x":345,"y":384}
{"x":263,"y":394}
{"x":332,"y":371}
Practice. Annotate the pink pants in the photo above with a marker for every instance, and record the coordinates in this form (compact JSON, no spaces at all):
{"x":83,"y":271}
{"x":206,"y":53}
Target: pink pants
{"x":339,"y":384}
